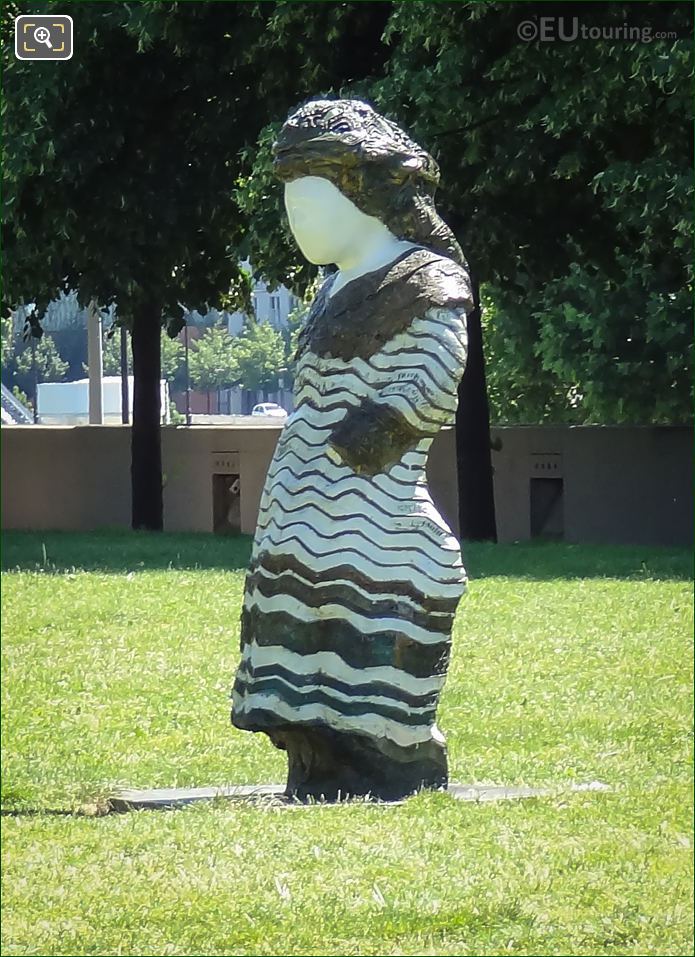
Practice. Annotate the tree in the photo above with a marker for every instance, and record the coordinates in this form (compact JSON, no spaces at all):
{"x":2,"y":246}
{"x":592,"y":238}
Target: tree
{"x":22,"y":397}
{"x":172,"y":358}
{"x":118,"y":165}
{"x":566,"y":173}
{"x":171,"y":355}
{"x":46,"y":362}
{"x":38,"y":361}
{"x":212,"y":361}
{"x":71,"y":342}
{"x":260,"y":356}
{"x":8,"y":340}
{"x":564,"y":176}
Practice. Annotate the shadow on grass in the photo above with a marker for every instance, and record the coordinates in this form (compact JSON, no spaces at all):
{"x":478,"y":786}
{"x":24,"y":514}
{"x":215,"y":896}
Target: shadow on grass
{"x":121,"y":550}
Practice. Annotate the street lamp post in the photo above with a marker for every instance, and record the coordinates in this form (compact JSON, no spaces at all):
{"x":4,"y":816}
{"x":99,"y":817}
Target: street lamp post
{"x":95,"y":364}
{"x":125,"y":399}
{"x":35,"y":376}
{"x":188,"y":377}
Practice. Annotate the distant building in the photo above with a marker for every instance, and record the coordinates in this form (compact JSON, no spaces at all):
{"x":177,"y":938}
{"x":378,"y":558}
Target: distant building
{"x":65,"y":311}
{"x":273,"y":307}
{"x":67,"y":403}
{"x":61,"y":313}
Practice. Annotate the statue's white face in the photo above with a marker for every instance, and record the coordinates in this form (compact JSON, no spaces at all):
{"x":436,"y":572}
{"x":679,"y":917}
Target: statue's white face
{"x":328,"y":227}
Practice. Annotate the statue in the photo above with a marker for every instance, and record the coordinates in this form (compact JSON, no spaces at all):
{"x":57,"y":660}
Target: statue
{"x":354,"y":577}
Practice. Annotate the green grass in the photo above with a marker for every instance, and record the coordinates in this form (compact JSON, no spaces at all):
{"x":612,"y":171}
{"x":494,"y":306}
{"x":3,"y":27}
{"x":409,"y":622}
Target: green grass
{"x":571,"y":664}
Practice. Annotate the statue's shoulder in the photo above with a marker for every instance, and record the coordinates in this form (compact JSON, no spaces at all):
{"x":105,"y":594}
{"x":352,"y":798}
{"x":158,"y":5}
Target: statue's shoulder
{"x":427,"y":276}
{"x":370,"y":310}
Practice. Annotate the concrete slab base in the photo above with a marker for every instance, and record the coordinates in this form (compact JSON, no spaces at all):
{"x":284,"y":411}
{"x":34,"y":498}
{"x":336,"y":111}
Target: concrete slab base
{"x":163,"y":798}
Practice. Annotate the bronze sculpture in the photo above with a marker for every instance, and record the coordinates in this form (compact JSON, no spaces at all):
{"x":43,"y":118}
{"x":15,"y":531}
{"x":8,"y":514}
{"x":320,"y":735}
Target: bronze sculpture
{"x":354,"y":577}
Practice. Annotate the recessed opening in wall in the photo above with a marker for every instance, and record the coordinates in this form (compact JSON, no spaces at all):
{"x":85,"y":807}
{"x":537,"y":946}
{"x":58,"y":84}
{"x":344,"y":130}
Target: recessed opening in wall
{"x":547,"y":513}
{"x":226,"y":504}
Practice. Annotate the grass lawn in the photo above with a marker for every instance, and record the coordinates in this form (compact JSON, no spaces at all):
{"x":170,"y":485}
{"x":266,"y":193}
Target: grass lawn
{"x":571,"y":664}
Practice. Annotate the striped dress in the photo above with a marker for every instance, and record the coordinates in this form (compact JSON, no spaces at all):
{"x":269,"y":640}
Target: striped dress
{"x":354,"y":576}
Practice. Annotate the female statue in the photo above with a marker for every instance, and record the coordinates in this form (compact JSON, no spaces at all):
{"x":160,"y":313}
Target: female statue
{"x":354,"y":577}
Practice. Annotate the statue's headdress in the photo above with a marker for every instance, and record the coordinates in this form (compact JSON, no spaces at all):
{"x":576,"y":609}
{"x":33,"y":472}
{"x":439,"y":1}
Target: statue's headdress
{"x":373,"y":162}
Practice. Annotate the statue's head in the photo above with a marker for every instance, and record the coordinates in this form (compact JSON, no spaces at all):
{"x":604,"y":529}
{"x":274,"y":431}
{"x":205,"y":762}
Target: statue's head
{"x":327,"y":226}
{"x":344,"y":164}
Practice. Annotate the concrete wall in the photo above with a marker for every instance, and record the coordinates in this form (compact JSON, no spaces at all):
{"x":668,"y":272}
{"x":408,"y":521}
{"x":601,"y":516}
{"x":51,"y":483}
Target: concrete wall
{"x":619,"y":485}
{"x":79,"y":477}
{"x":65,"y":477}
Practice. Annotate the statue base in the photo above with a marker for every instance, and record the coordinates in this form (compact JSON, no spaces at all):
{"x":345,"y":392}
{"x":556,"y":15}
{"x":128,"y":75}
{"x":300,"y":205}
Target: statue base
{"x":170,"y":798}
{"x":328,"y":765}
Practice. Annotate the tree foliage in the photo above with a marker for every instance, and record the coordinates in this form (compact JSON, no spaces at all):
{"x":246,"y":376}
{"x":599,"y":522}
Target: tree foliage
{"x":172,"y":359}
{"x":139,"y":172}
{"x":49,"y":366}
{"x":172,"y":355}
{"x":566,"y":169}
{"x":22,"y":397}
{"x":7,"y":340}
{"x":132,"y":198}
{"x":566,"y":177}
{"x":110,"y":356}
{"x":126,"y":186}
{"x":253,"y":360}
{"x":212,"y":361}
{"x":260,"y":356}
{"x":119,"y":165}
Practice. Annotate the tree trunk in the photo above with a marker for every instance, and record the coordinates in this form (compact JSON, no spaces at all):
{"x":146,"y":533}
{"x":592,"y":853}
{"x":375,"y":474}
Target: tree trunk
{"x":473,"y":455}
{"x":146,"y":450}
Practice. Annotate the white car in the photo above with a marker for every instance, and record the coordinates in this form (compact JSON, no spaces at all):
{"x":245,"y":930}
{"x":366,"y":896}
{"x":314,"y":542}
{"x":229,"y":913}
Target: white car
{"x":269,"y":408}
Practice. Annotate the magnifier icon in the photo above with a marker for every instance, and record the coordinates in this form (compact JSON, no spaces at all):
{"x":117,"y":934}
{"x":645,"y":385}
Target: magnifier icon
{"x":42,"y":35}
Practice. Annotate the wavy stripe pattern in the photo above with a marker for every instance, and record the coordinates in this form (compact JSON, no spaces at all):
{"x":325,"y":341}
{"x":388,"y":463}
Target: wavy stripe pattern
{"x":355,"y":578}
